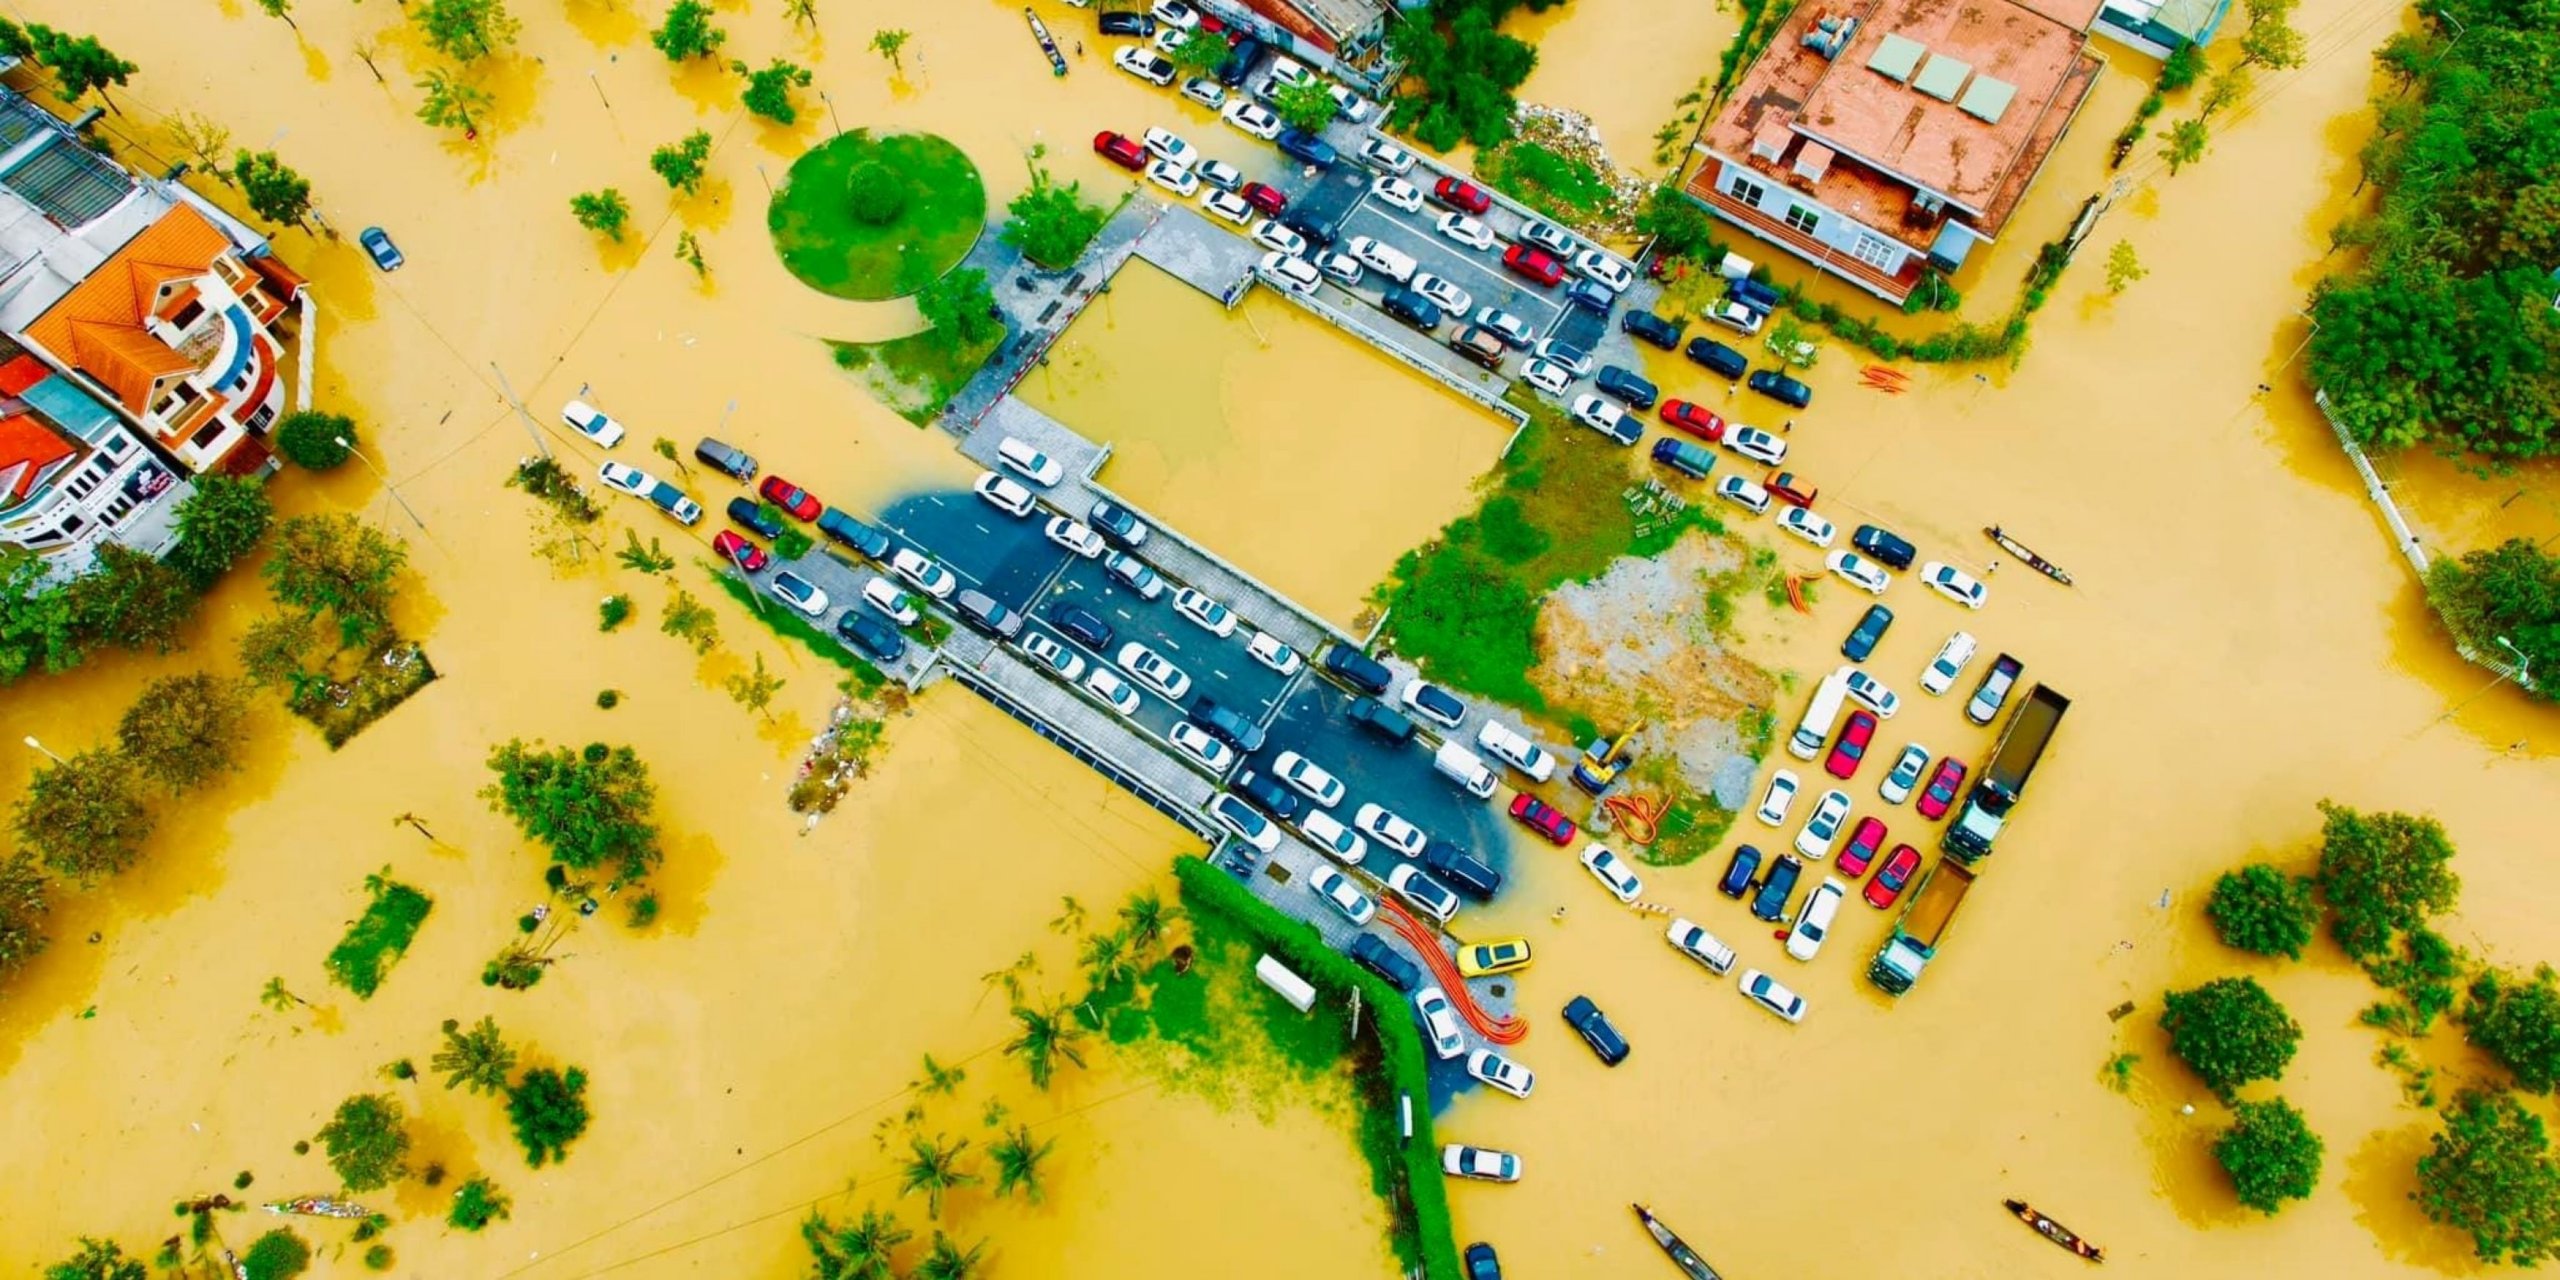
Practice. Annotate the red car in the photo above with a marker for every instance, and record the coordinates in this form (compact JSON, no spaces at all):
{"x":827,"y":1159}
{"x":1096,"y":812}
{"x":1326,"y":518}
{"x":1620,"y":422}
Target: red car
{"x":1941,"y":791}
{"x":1851,"y":749}
{"x":1263,"y":196}
{"x":1862,"y":847}
{"x":790,"y":497}
{"x":1532,"y":263}
{"x":1790,"y":488}
{"x":1465,"y":197}
{"x":1120,"y":149}
{"x":1680,"y":415}
{"x":734,"y":548}
{"x":1541,"y":817}
{"x":1895,"y":873}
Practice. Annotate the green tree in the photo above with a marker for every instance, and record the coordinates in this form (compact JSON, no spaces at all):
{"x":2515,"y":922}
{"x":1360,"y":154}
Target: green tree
{"x":22,"y":911}
{"x":2505,"y":600}
{"x":185,"y":729}
{"x":476,"y":1204}
{"x":368,"y":1142}
{"x":1465,"y":71}
{"x":97,"y":1260}
{"x":649,"y":559}
{"x":960,"y":309}
{"x":2229,"y":86}
{"x":309,"y":438}
{"x":1793,"y":342}
{"x":690,"y":620}
{"x":2270,"y":1153}
{"x":2490,"y":1174}
{"x":938,"y":1080}
{"x":465,"y":30}
{"x":768,"y":91}
{"x":2518,"y":1023}
{"x":592,"y":806}
{"x":203,"y":140}
{"x":130,"y":598}
{"x":755,"y":687}
{"x":274,"y":192}
{"x":477,"y":1058}
{"x":337,"y":563}
{"x":933,"y":1167}
{"x":79,"y":64}
{"x":948,"y":1261}
{"x":604,"y":211}
{"x":887,"y":42}
{"x":451,"y":102}
{"x":2261,"y":909}
{"x":689,"y":252}
{"x":217,"y":524}
{"x":279,"y":652}
{"x":1142,"y":919}
{"x":2186,"y":144}
{"x":803,"y":13}
{"x":688,"y":32}
{"x":2230,"y":1031}
{"x":37,"y":630}
{"x":281,"y":9}
{"x":1201,"y":53}
{"x":1051,"y":223}
{"x":1047,"y":1036}
{"x":2271,"y":41}
{"x":874,"y":196}
{"x":1018,"y":1161}
{"x":2181,"y":68}
{"x":277,"y":1255}
{"x":549,"y":1110}
{"x":681,"y":162}
{"x":864,"y":1249}
{"x":2382,"y":874}
{"x":1302,"y":104}
{"x":1106,"y":960}
{"x":2123,"y":268}
{"x":84,"y":818}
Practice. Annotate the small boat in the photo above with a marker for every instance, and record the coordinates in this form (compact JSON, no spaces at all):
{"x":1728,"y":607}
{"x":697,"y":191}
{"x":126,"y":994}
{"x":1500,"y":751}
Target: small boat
{"x":2055,"y":1231}
{"x":1040,"y":32}
{"x":1682,"y":1255}
{"x":319,"y":1207}
{"x":2021,"y":551}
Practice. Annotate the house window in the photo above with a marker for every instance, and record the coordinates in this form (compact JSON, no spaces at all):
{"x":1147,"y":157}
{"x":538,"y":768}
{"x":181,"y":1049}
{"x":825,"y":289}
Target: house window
{"x":44,"y":539}
{"x":116,"y":445}
{"x":1875,"y":253}
{"x":1749,"y":192}
{"x":1803,"y":218}
{"x":116,"y":509}
{"x":73,"y":523}
{"x":212,"y":431}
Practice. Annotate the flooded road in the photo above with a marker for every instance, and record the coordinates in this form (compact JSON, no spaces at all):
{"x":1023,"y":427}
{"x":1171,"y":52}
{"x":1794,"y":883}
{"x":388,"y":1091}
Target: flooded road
{"x":2243,"y":644}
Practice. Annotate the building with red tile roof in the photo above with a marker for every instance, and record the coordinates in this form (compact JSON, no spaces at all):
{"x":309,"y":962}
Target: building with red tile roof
{"x":73,"y":476}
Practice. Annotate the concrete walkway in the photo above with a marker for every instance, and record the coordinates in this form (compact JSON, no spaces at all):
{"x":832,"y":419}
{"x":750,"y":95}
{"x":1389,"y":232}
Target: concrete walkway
{"x":1199,"y":253}
{"x":1038,"y":305}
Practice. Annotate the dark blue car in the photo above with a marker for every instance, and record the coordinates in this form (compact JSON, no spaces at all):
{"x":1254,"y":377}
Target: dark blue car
{"x":1738,"y":873}
{"x":377,"y":244}
{"x":1306,"y":148}
{"x":1870,"y":629}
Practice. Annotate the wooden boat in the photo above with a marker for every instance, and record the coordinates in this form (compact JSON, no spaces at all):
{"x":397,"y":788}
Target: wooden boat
{"x":1040,"y":32}
{"x":2022,"y":552}
{"x":2055,"y":1231}
{"x":319,"y":1207}
{"x":1682,"y":1255}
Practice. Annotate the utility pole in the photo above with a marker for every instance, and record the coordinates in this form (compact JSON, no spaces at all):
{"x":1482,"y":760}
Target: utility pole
{"x":521,"y":412}
{"x":394,"y":489}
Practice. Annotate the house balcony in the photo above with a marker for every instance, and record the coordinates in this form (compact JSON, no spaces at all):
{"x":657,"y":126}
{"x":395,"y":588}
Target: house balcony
{"x":1892,"y":286}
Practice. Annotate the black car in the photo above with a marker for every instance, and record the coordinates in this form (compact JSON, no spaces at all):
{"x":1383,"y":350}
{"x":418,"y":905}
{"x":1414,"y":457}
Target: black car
{"x":1225,"y":724}
{"x":1648,"y":327}
{"x":1993,"y":693}
{"x":1753,"y":294}
{"x":1738,"y":873}
{"x":727,"y":459}
{"x":1082,"y":625}
{"x":1437,"y":701}
{"x":1870,"y":629}
{"x":871,"y":634}
{"x":1412,"y":308}
{"x":1593,"y":1026}
{"x":1719,"y":359}
{"x":1269,"y":796}
{"x":1771,"y":904}
{"x":1240,"y":60}
{"x":1625,"y":385}
{"x":1306,"y":148}
{"x":853,"y":533}
{"x":1464,"y":871}
{"x":1382,"y":720}
{"x":1884,"y":545}
{"x":1781,"y":388}
{"x":1379,"y":958}
{"x":748,"y":514}
{"x":1591,"y":296}
{"x":1127,"y":24}
{"x":1481,"y":1262}
{"x":1117,"y":523}
{"x":1358,"y":669}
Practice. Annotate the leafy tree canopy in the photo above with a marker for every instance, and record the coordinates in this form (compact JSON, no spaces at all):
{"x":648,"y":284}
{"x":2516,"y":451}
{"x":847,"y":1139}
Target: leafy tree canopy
{"x":2261,"y":909}
{"x":2518,"y":1023}
{"x":85,"y":817}
{"x":590,"y":806}
{"x":687,"y":32}
{"x":2490,"y":1174}
{"x":2230,"y":1031}
{"x":681,"y":162}
{"x":340,"y":564}
{"x":2382,"y":874}
{"x":274,"y":191}
{"x":97,"y":1260}
{"x":309,"y":438}
{"x":960,"y":306}
{"x":549,"y":1110}
{"x":2505,"y":602}
{"x":368,"y":1142}
{"x":2270,"y":1153}
{"x":185,"y":729}
{"x":1051,"y":223}
{"x":218,"y":524}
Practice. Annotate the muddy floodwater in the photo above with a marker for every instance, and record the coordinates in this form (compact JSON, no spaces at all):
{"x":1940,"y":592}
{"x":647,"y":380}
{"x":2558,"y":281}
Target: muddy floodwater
{"x":2243,"y":643}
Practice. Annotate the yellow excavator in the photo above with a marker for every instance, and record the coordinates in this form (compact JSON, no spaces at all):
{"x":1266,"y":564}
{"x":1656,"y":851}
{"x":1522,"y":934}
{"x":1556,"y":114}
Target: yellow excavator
{"x":1605,"y":759}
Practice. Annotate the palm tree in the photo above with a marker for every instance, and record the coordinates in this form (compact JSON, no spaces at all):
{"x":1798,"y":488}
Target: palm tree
{"x":934,"y":1169}
{"x":1018,"y":1162}
{"x":277,"y":997}
{"x":666,"y":448}
{"x":451,"y":101}
{"x":1010,"y":976}
{"x":479,"y":1059}
{"x":1142,"y":917}
{"x":1106,"y":960}
{"x":857,"y":1250}
{"x":1070,"y":915}
{"x":1047,"y":1035}
{"x":948,"y":1262}
{"x":939,"y":1079}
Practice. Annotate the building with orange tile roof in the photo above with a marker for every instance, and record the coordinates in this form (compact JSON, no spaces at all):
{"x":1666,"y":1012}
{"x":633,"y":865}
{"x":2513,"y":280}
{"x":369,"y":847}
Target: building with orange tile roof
{"x":73,"y":476}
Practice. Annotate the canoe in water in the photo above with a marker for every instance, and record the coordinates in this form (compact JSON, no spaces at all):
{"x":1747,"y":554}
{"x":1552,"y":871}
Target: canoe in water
{"x":2054,"y":1231}
{"x":1682,"y":1255}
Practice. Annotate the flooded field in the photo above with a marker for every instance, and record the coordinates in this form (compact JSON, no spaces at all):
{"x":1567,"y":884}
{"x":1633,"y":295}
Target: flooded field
{"x":2243,"y":643}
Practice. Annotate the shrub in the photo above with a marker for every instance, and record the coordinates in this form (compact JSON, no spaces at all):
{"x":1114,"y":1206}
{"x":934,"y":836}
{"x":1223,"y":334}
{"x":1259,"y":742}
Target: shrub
{"x":612,"y":611}
{"x":2230,"y":1031}
{"x":2261,"y":909}
{"x":476,"y":1204}
{"x":309,"y":439}
{"x":549,"y":1110}
{"x":2382,"y":873}
{"x":2490,"y":1174}
{"x":2518,"y":1023}
{"x":873,"y":195}
{"x":2271,"y":1155}
{"x":277,"y":1255}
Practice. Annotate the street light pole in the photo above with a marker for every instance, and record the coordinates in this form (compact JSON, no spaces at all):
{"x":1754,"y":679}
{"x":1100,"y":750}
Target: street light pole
{"x":831,"y":110}
{"x":394,"y":489}
{"x":521,"y":411}
{"x":48,"y":753}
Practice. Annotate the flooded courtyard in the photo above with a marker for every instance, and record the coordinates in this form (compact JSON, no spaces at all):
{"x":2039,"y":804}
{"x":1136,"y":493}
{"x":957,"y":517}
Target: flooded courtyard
{"x":2243,"y":643}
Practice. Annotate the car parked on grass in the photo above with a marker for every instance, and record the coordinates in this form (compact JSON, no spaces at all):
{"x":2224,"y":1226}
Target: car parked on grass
{"x":1607,"y":419}
{"x":1200,"y":745}
{"x":1770,"y":903}
{"x":1905,"y":773}
{"x":1439,"y":1022}
{"x":1228,"y":206}
{"x":1864,"y":841}
{"x":1612,"y":872}
{"x":1081,"y":625}
{"x":1813,"y":921}
{"x":751,"y":515}
{"x":1075,"y":536}
{"x":1511,"y":1078}
{"x":1153,"y":670}
{"x":1851,"y":746}
{"x":735,"y":549}
{"x":1738,"y":872}
{"x":1331,"y":838}
{"x":1892,"y":876}
{"x":1940,"y":794}
{"x":1823,"y":827}
{"x":877,"y":640}
{"x":1768,"y":993}
{"x":1716,"y":357}
{"x":1252,"y":119}
{"x":1101,"y":683}
{"x":1238,"y":817}
{"x":1993,"y":691}
{"x":1514,"y":331}
{"x":1874,"y":694}
{"x":1459,"y":229}
{"x":1387,"y":829}
{"x":1462,"y":1161}
{"x":853,"y":534}
{"x":1144,"y":63}
{"x":936,"y":581}
{"x":1383,"y":154}
{"x":1461,"y":195}
{"x":1780,"y":796}
{"x":1862,"y":638}
{"x":1758,"y":445}
{"x":1443,"y":294}
{"x":1532,"y":264}
{"x":591,"y":422}
{"x":1003,"y":494}
{"x":1743,"y":492}
{"x":1781,"y":388}
{"x":1545,"y":819}
{"x":1691,"y":939}
{"x":1485,"y":959}
{"x":1940,"y":675}
{"x":1954,"y":583}
{"x":1422,"y":893}
{"x":1803,"y":523}
{"x":1396,"y":192}
{"x":1306,"y":148}
{"x":377,"y":246}
{"x":1595,"y":1029}
{"x":1627,"y":386}
{"x":1433,"y":703}
{"x":884,"y":595}
{"x":1057,"y":657}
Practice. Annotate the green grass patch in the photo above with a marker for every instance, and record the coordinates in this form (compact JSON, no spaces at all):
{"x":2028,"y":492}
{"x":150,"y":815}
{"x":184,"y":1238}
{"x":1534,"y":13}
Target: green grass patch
{"x":1563,"y":188}
{"x":940,"y":207}
{"x":915,"y":375}
{"x":378,"y":937}
{"x":358,"y":688}
{"x":791,"y":626}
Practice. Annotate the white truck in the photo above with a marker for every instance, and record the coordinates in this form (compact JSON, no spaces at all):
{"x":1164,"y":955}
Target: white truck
{"x":1812,"y":731}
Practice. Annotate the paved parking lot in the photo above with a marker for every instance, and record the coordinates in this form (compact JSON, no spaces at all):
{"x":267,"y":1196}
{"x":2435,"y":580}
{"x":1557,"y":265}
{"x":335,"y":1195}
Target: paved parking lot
{"x":1375,"y":771}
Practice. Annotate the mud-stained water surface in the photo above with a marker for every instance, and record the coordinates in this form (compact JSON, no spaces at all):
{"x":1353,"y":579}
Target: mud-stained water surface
{"x":2242,"y":643}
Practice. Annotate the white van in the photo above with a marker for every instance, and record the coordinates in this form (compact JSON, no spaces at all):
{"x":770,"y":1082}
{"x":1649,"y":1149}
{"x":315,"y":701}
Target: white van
{"x":1029,"y":463}
{"x":1385,"y":259}
{"x":1466,"y":769}
{"x":1812,"y":731}
{"x":1691,"y":939}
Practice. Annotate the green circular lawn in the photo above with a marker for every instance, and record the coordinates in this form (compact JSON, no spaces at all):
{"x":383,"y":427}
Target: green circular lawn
{"x":827,"y":216}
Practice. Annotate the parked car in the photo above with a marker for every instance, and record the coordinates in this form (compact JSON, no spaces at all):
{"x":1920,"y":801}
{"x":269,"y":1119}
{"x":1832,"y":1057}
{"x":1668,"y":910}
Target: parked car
{"x":1057,"y":657}
{"x":1133,"y":573}
{"x":1101,"y":683}
{"x":853,"y":534}
{"x":1439,"y":1021}
{"x":1792,"y":489}
{"x":1383,"y":258}
{"x":1593,"y":1026}
{"x":1115,"y":23}
{"x":1645,"y":326}
{"x":1550,"y":237}
{"x":1003,"y":494}
{"x":1485,"y":959}
{"x":1331,"y":838}
{"x":1480,"y":346}
{"x":1511,"y":1078}
{"x":1626,"y":385}
{"x":1940,"y":794}
{"x":1381,"y":720}
{"x":1905,"y":774}
{"x":727,"y":459}
{"x":1265,"y":793}
{"x":1954,"y":583}
{"x":1144,"y":63}
{"x":1267,"y":650}
{"x":1781,"y":388}
{"x":1465,"y":232}
{"x":1770,"y":903}
{"x":1758,"y":445}
{"x":1170,"y":147}
{"x":377,"y":246}
{"x":1864,"y":841}
{"x":1564,"y":353}
{"x":1461,"y":870}
{"x":1514,"y":331}
{"x":1761,"y":989}
{"x":876,"y":639}
{"x":1993,"y":691}
{"x":1228,"y":206}
{"x":1941,"y":673}
{"x":1461,"y":195}
{"x":1780,"y":796}
{"x":1021,"y":458}
{"x":1348,"y":105}
{"x":1738,"y":872}
{"x":1343,"y":896}
{"x":1534,"y":265}
{"x":1693,"y":419}
{"x":1209,"y":615}
{"x":1514,"y":748}
{"x":1396,"y":192}
{"x":1412,"y":308}
{"x":750,"y":515}
{"x":1231,"y":726}
{"x":1543,"y":818}
{"x":1075,"y":536}
{"x":800,"y":593}
{"x":1219,"y":174}
{"x":1380,"y":152}
{"x":1195,"y":742}
{"x":1743,"y":492}
{"x":1433,"y":703}
{"x":1874,"y":694}
{"x":648,"y":488}
{"x":1803,"y":523}
{"x":1612,"y":872}
{"x":1884,"y":544}
{"x":1176,"y":13}
{"x":1603,"y":270}
{"x":1340,"y":268}
{"x":1870,"y":629}
{"x":735,"y":549}
{"x":1804,"y":941}
{"x":1737,"y":317}
{"x":1081,"y":625}
{"x":1686,"y":457}
{"x":1892,"y":876}
{"x":1358,"y":669}
{"x":1823,"y":827}
{"x":984,"y":613}
{"x":1153,"y":670}
{"x":591,"y":422}
{"x":1310,"y":778}
{"x":1255,"y":830}
{"x":1851,"y":746}
{"x":1716,"y":357}
{"x":937,"y":581}
{"x":1117,"y":523}
{"x":1252,"y":119}
{"x":1443,"y":294}
{"x":1379,"y":958}
{"x":1607,"y":419}
{"x":1849,"y":567}
{"x":1306,"y":148}
{"x":1461,"y":1161}
{"x":1691,"y":939}
{"x":1387,"y":829}
{"x":1421,"y":892}
{"x":884,"y":595}
{"x":1281,"y":240}
{"x":1206,"y":91}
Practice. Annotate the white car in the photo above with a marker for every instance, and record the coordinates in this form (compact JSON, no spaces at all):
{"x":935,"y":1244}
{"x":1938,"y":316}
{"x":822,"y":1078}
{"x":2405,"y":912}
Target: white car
{"x":1153,"y":670}
{"x":1501,"y":1072}
{"x":1144,"y":63}
{"x":1547,"y":376}
{"x":1780,"y":797}
{"x":1872,"y":693}
{"x":1512,"y":747}
{"x":1213,"y":617}
{"x":1267,"y":650}
{"x":630,"y":479}
{"x":1341,"y":268}
{"x":1168,"y":146}
{"x":1612,"y":873}
{"x":1815,"y":919}
{"x":1075,"y":536}
{"x":1392,"y":190}
{"x":1114,"y":690}
{"x":1383,"y":258}
{"x":1433,"y":703}
{"x":911,"y":565}
{"x":1333,"y":839}
{"x":1904,"y":775}
{"x":1461,"y":229}
{"x":1252,"y":119}
{"x":1761,"y":989}
{"x":896,"y":605}
{"x":1204,"y":90}
{"x":1803,"y":523}
{"x":1552,"y":238}
{"x":1279,"y":239}
{"x":1943,"y":669}
{"x":1757,"y":445}
{"x":1196,"y":743}
{"x":1386,"y":155}
{"x":1598,"y":414}
{"x":1350,"y":106}
{"x":1286,"y":70}
{"x":1053,"y":655}
{"x":800,"y":593}
{"x":1691,"y":939}
{"x":1514,"y":331}
{"x":1573,"y":358}
{"x":1227,"y":205}
{"x":1002,"y":494}
{"x":1016,"y":455}
{"x":1308,"y":779}
{"x":1744,"y":492}
{"x":1444,"y":295}
{"x":1608,"y":272}
{"x":1858,"y":571}
{"x":1336,"y":888}
{"x":1237,"y":816}
{"x":1134,"y":574}
{"x":1282,"y":271}
{"x":1176,"y":13}
{"x":591,"y":422}
{"x":1737,"y":317}
{"x":1824,"y":826}
{"x":1439,"y":1020}
{"x":1169,"y":40}
{"x":1219,"y":174}
{"x":1462,"y":1161}
{"x":1955,"y":584}
{"x":1424,"y":894}
{"x":1173,"y":177}
{"x":1388,"y":829}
